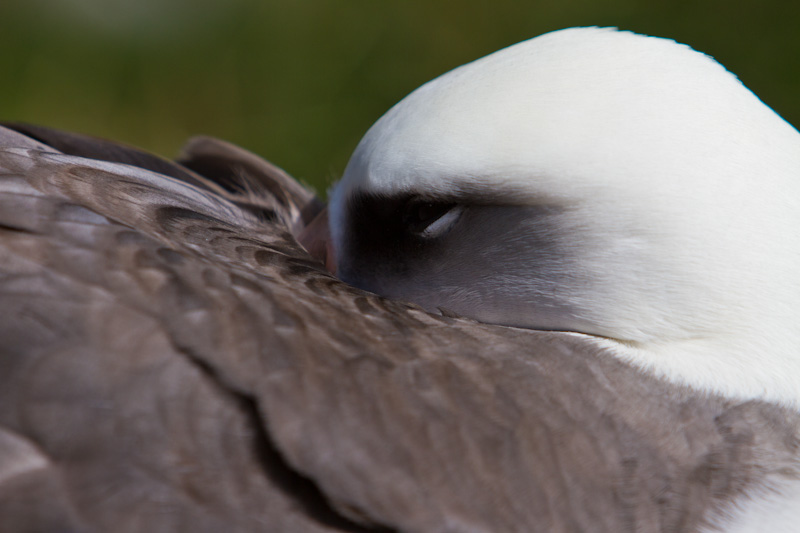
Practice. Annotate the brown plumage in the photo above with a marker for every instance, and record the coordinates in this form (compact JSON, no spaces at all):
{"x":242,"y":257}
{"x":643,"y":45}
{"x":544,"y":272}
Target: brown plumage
{"x":172,"y":360}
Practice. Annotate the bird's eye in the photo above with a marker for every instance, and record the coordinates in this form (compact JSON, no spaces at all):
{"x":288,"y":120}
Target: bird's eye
{"x":430,"y":219}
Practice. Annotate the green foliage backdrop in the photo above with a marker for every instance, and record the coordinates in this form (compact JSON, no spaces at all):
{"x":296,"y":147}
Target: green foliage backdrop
{"x":299,"y":81}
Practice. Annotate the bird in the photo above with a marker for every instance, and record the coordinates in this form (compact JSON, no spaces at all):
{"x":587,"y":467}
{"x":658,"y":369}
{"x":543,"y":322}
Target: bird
{"x":174,"y":359}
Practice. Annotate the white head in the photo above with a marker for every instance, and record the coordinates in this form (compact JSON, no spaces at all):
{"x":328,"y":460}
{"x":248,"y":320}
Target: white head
{"x":597,"y":182}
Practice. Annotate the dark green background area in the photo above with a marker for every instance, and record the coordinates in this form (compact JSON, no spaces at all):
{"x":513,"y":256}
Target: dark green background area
{"x":300,"y":81}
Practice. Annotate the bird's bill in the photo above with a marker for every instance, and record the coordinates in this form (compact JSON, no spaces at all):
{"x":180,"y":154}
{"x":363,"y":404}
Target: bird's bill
{"x":316,"y":239}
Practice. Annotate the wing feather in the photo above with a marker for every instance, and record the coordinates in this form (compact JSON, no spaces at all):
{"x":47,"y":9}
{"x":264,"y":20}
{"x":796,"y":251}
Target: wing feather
{"x":170,"y":360}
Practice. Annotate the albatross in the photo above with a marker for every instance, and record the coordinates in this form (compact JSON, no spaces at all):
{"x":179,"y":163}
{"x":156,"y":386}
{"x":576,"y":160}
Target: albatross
{"x":565,"y":302}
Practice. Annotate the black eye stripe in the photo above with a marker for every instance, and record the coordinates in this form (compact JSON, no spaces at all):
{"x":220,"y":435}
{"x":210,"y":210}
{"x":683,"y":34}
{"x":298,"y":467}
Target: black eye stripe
{"x":398,"y":224}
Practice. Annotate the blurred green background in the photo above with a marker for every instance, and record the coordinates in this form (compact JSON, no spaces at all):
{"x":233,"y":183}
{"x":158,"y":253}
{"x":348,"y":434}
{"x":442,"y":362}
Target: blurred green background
{"x":300,"y":81}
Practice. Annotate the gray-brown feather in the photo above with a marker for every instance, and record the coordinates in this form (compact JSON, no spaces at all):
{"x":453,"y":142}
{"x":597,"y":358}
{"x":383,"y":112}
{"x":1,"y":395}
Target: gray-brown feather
{"x":166,"y":356}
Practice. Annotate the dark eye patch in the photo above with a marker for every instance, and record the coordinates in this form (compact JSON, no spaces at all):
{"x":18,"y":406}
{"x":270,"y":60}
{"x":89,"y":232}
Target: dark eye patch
{"x":387,"y":233}
{"x":419,"y":214}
